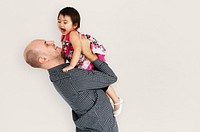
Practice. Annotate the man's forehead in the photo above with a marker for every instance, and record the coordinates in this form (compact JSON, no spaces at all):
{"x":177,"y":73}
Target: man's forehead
{"x":38,"y":42}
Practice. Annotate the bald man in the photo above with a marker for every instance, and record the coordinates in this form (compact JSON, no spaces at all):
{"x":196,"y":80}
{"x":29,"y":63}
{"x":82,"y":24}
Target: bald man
{"x":83,"y":90}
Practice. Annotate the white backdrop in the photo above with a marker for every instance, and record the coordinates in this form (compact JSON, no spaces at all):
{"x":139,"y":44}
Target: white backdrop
{"x":152,"y":45}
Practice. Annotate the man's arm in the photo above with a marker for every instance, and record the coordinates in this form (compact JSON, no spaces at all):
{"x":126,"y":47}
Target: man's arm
{"x":93,"y":79}
{"x":100,"y":65}
{"x":85,"y":49}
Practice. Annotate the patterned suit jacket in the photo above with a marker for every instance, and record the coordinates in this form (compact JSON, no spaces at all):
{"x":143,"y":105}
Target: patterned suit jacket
{"x":82,"y":90}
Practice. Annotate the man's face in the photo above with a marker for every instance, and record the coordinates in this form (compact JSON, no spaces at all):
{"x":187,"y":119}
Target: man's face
{"x":50,"y":50}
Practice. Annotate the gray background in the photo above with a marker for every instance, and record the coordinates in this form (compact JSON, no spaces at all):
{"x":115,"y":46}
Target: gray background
{"x":152,"y":45}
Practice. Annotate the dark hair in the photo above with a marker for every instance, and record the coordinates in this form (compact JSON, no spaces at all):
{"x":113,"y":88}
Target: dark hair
{"x":73,"y":13}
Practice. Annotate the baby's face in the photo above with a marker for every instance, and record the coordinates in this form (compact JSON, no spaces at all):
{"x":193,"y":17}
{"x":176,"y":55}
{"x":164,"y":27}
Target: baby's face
{"x":65,"y":24}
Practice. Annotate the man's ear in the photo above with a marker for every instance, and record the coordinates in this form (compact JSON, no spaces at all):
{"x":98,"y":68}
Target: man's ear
{"x":42,"y":60}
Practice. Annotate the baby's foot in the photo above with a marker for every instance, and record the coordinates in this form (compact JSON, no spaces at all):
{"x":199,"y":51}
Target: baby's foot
{"x":118,"y":107}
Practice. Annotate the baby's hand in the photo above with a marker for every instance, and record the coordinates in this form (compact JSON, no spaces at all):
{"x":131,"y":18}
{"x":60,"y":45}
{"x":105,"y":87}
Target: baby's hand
{"x":66,"y":69}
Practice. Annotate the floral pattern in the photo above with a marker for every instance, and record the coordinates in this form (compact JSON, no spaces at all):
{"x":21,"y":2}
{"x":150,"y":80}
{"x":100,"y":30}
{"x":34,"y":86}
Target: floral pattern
{"x":83,"y":62}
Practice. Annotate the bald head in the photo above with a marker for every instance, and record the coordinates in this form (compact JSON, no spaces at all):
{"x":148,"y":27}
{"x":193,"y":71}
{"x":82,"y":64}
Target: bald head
{"x":39,"y":54}
{"x":32,"y":53}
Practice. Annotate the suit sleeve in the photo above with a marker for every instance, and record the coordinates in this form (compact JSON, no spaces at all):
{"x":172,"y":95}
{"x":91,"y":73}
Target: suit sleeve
{"x":94,"y":79}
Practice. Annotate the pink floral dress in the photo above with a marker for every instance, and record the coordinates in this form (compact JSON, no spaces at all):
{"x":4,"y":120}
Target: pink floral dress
{"x":83,"y":62}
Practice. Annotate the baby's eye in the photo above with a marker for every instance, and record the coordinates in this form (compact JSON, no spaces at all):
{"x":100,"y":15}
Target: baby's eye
{"x":65,"y":22}
{"x":59,"y":21}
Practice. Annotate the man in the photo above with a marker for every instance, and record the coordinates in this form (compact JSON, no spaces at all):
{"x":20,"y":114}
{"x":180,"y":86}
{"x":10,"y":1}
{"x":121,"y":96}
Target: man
{"x":83,"y":90}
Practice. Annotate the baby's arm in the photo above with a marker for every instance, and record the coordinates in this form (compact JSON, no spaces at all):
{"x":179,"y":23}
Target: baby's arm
{"x":75,"y":41}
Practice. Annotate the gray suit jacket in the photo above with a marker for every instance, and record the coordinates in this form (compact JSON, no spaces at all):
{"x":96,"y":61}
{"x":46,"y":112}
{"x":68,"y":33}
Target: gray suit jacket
{"x":82,"y":90}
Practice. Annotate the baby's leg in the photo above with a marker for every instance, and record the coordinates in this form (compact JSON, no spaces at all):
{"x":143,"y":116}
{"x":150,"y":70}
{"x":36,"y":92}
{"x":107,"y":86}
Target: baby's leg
{"x":112,"y":94}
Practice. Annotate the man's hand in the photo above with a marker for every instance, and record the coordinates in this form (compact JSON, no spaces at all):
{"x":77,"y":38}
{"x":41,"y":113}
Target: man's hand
{"x":85,"y":48}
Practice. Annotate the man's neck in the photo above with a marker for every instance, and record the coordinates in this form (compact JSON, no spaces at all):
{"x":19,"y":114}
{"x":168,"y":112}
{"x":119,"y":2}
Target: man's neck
{"x":54,"y":64}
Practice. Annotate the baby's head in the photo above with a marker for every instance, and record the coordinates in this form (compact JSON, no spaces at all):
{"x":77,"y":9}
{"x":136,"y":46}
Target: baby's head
{"x":68,"y":20}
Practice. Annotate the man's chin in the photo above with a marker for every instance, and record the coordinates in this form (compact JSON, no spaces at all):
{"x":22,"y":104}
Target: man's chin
{"x":62,"y":54}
